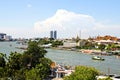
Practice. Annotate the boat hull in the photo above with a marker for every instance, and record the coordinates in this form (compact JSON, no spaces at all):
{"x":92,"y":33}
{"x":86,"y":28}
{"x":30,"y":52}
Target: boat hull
{"x":98,"y":58}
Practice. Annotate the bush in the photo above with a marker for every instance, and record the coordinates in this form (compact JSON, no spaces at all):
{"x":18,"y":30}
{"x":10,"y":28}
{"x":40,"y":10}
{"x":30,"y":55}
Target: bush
{"x":83,"y":73}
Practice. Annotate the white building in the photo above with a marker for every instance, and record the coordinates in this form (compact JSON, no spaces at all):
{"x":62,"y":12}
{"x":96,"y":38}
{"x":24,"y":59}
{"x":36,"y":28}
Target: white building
{"x":2,"y":36}
{"x":8,"y":38}
{"x":105,"y":41}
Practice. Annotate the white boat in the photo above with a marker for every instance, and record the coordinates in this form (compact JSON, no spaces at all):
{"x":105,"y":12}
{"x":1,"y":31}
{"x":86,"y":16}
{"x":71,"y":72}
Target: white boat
{"x":111,"y":76}
{"x":98,"y":58}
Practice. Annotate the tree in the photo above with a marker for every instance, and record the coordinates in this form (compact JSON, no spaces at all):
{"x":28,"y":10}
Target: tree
{"x":1,"y":72}
{"x":26,"y":61}
{"x":2,"y":66}
{"x":13,"y":64}
{"x":56,"y":43}
{"x":43,"y":41}
{"x":2,"y":60}
{"x":83,"y":73}
{"x":40,"y":72}
{"x":101,"y":47}
{"x":32,"y":75}
{"x":35,"y":53}
{"x":38,"y":65}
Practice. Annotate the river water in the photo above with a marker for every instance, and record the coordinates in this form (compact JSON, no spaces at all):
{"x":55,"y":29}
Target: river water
{"x":71,"y":58}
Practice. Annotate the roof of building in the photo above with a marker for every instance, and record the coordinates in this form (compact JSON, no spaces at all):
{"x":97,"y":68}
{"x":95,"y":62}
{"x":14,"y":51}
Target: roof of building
{"x":2,"y":34}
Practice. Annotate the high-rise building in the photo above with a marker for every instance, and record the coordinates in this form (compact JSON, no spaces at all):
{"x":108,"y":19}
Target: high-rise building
{"x":53,"y":34}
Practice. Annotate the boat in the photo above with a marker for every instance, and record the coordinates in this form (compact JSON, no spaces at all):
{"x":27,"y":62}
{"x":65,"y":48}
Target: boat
{"x":111,"y":76}
{"x":10,"y":45}
{"x":98,"y":58}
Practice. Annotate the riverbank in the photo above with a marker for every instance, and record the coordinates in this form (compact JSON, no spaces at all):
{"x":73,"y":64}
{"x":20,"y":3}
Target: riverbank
{"x":87,"y":51}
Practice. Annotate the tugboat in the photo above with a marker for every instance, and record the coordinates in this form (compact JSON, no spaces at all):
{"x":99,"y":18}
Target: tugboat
{"x":98,"y":58}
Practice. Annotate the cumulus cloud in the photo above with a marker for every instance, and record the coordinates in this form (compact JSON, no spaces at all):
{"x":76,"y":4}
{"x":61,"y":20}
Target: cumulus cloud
{"x":69,"y":24}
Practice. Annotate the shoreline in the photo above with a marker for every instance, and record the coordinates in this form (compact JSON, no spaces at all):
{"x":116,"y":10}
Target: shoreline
{"x":85,"y":51}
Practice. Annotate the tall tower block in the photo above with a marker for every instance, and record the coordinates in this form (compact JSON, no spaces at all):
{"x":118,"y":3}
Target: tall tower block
{"x":55,"y":34}
{"x":51,"y":34}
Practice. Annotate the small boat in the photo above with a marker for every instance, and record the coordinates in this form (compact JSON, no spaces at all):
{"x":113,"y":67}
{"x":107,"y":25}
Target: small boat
{"x":98,"y":58}
{"x":10,"y":45}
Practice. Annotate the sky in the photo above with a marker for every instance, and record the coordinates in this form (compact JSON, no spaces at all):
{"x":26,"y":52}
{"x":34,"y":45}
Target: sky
{"x":36,"y":18}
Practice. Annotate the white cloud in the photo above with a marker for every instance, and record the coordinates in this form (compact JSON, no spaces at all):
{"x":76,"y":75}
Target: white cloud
{"x":68,"y":24}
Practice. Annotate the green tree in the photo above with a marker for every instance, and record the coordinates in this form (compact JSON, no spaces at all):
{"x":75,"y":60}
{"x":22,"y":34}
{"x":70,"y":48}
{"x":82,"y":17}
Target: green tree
{"x":83,"y":73}
{"x":1,"y":72}
{"x":2,"y":60}
{"x":3,"y":66}
{"x":35,"y":53}
{"x":87,"y":44}
{"x":101,"y":47}
{"x":56,"y":43}
{"x":13,"y":64}
{"x":26,"y":61}
{"x":39,"y":66}
{"x":40,"y":72}
{"x":32,"y":75}
{"x":43,"y":41}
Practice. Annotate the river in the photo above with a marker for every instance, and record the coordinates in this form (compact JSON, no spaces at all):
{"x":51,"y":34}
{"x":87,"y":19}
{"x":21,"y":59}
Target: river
{"x":71,"y":58}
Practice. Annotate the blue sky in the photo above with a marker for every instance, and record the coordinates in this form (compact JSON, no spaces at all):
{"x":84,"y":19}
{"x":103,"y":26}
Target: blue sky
{"x":35,"y":18}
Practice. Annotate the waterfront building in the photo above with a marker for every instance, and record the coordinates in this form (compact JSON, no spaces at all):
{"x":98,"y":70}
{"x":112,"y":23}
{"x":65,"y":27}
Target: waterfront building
{"x":2,"y":36}
{"x":8,"y":38}
{"x":69,"y":44}
{"x":5,"y":37}
{"x":105,"y":42}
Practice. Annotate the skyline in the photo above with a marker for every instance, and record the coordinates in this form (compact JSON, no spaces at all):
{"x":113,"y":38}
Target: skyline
{"x":28,"y":18}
